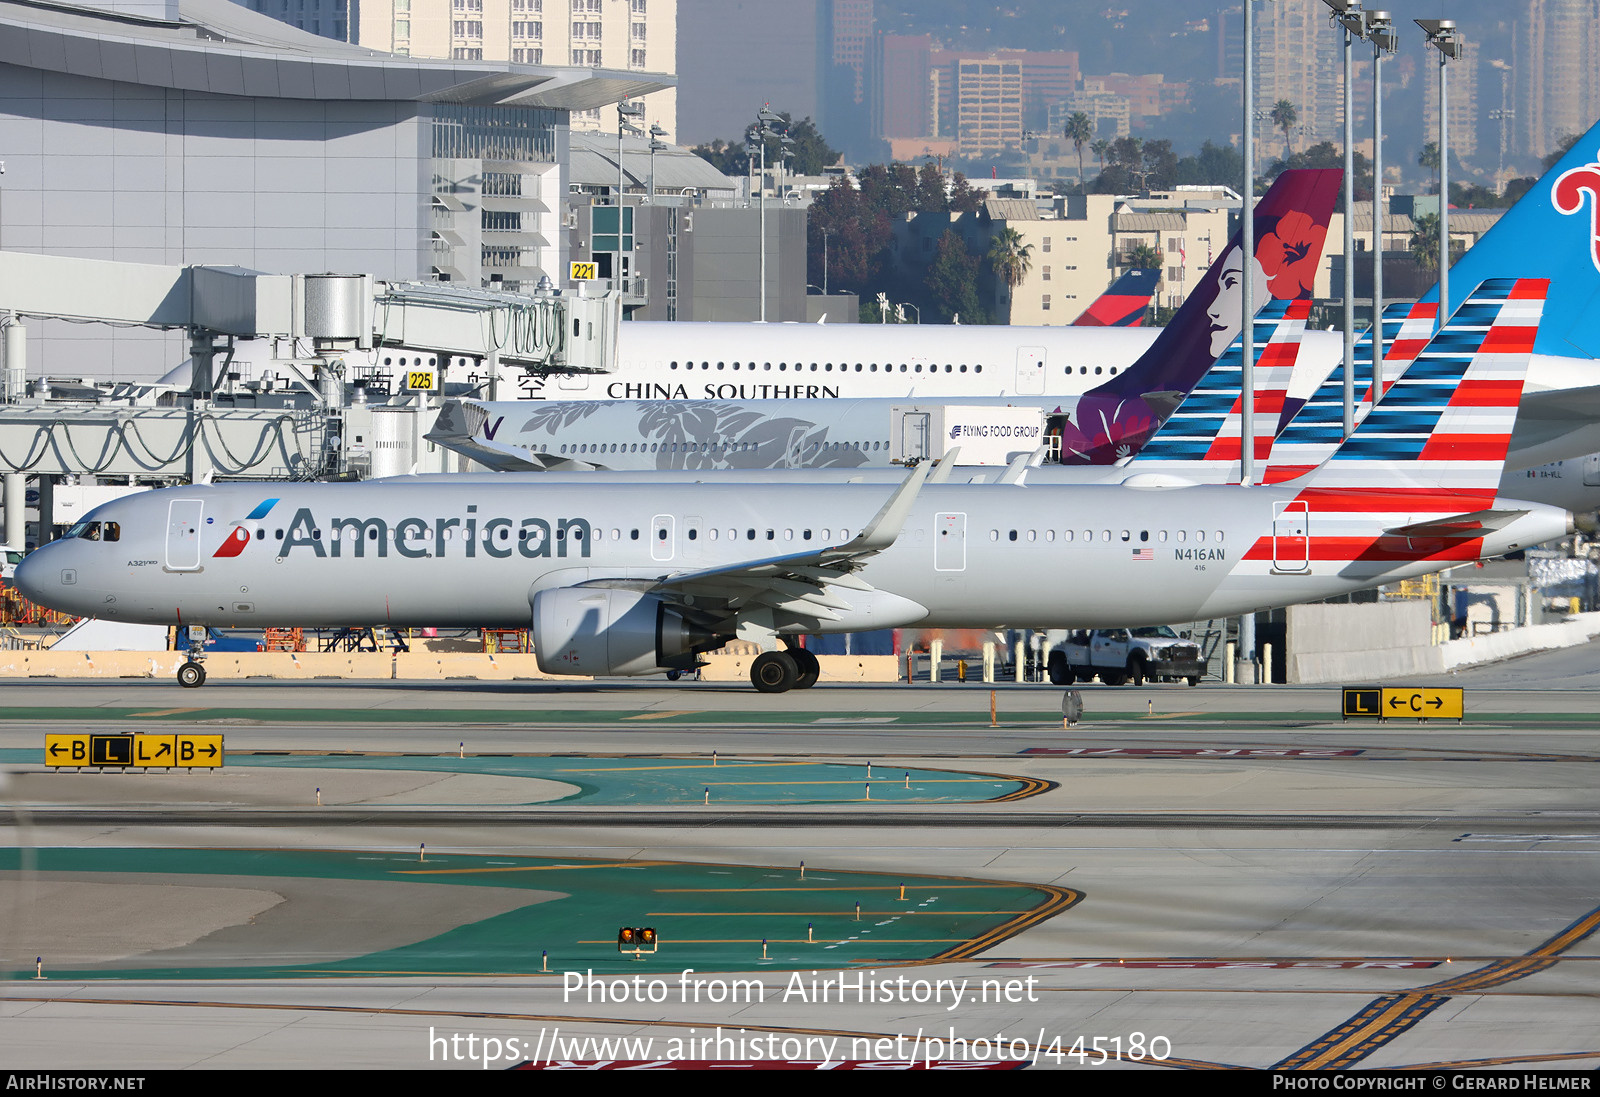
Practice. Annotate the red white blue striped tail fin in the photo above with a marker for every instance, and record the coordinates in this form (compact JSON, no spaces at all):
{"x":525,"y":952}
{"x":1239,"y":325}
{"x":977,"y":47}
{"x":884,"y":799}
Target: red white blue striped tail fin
{"x":1442,"y":430}
{"x":1207,"y":428}
{"x":1312,"y":429}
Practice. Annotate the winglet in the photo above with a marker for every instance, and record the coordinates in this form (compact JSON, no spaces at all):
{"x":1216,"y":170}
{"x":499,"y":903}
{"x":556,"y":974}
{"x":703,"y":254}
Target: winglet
{"x":885,"y":527}
{"x":946,"y":465}
{"x":1020,"y":464}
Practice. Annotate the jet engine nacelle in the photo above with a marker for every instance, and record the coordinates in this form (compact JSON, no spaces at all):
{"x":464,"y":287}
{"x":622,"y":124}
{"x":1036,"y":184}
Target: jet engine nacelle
{"x":604,"y":630}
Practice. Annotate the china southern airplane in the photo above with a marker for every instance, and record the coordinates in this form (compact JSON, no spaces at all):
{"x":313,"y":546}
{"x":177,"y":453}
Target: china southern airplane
{"x":640,"y":578}
{"x":1107,"y":423}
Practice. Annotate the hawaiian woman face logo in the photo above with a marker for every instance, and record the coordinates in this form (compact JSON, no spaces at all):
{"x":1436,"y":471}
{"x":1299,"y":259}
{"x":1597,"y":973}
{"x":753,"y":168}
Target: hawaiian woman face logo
{"x":1224,"y":311}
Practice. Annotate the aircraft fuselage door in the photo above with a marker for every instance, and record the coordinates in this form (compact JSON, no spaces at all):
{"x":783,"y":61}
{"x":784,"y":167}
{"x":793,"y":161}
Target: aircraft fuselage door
{"x":914,"y":430}
{"x":1030,"y":371}
{"x":950,"y":542}
{"x":1291,"y":536}
{"x":183,"y":534}
{"x":1591,"y":471}
{"x":662,"y":532}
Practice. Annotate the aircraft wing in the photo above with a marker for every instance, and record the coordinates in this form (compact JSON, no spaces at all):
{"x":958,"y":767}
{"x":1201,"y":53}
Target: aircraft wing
{"x":798,"y":584}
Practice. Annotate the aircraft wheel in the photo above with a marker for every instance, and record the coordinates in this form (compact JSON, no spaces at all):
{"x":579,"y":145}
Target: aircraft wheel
{"x":674,"y":675}
{"x":191,"y":674}
{"x":774,"y":672}
{"x":809,"y":669}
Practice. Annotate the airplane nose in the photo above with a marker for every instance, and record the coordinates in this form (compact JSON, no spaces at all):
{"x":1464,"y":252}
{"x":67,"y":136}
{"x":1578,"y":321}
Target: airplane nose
{"x":36,"y":580}
{"x":26,"y":578}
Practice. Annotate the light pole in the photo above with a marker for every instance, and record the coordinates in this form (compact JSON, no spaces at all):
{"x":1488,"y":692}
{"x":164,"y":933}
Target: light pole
{"x":825,"y":261}
{"x":1503,"y":115}
{"x":1247,"y":229}
{"x":1380,"y":29}
{"x":656,"y":145}
{"x":1348,"y":14}
{"x":764,"y":128}
{"x":1442,"y":36}
{"x":627,"y":114}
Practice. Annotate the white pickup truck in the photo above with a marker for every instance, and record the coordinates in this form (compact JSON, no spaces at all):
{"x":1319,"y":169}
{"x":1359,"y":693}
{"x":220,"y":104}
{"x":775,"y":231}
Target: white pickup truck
{"x":1121,"y":655}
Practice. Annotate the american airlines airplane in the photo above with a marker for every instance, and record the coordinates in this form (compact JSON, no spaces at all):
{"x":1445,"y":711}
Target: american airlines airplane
{"x":639,"y":578}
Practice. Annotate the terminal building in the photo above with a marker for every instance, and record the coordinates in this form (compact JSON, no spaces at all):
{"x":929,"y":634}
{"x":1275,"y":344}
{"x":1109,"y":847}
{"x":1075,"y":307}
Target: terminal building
{"x":196,"y":131}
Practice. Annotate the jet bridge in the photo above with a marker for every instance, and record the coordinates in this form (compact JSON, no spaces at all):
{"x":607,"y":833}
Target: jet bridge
{"x":280,"y":374}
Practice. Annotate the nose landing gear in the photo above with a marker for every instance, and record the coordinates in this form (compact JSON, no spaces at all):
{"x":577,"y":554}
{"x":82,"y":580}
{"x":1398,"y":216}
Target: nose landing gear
{"x":193,"y":672}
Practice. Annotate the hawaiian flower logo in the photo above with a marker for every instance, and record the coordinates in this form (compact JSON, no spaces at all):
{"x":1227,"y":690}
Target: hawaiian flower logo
{"x":1289,"y":255}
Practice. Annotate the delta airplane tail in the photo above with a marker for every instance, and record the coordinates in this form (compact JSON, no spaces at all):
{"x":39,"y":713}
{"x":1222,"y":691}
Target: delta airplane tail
{"x":1115,"y":419}
{"x":1123,"y":305}
{"x":1418,"y":479}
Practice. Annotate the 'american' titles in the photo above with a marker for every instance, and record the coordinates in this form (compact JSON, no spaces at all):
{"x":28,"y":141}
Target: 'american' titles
{"x":418,"y":538}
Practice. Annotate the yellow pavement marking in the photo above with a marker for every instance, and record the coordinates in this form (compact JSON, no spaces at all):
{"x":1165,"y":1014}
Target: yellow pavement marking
{"x":1167,"y":715}
{"x":166,"y":712}
{"x":520,"y":868}
{"x":657,"y":715}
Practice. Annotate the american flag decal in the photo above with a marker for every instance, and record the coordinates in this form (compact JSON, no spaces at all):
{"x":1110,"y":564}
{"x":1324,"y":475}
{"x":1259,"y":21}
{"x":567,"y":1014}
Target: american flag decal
{"x":1144,"y":554}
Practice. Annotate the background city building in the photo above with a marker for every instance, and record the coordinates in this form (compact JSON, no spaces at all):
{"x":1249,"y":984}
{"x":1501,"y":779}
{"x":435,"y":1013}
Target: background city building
{"x":211,"y":134}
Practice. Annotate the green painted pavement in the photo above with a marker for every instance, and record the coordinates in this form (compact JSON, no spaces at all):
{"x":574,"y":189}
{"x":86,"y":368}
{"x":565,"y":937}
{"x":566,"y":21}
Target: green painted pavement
{"x":709,"y":917}
{"x":669,"y":781}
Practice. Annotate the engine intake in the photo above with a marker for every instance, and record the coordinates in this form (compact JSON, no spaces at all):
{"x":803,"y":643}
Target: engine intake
{"x":603,"y":630}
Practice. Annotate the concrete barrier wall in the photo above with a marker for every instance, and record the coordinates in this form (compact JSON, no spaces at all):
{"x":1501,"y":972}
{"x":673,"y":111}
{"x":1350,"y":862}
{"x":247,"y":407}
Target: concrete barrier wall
{"x":1388,"y":640}
{"x":1356,"y":643}
{"x":1468,"y":651}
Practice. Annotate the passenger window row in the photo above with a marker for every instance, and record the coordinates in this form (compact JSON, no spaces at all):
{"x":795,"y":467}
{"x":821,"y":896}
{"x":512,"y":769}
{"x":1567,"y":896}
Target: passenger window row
{"x":828,"y":367}
{"x":695,"y":447}
{"x":1144,"y":536}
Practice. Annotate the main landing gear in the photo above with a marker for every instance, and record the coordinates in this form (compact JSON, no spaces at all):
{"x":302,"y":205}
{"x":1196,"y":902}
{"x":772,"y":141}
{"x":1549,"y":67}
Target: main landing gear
{"x":781,"y":671}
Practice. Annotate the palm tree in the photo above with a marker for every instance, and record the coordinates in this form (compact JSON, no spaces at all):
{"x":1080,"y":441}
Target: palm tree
{"x":1143,"y":256}
{"x":1284,"y":116}
{"x":1429,"y":158}
{"x":1425,"y":242}
{"x":1080,"y":131}
{"x":1010,"y":258}
{"x":1100,"y":148}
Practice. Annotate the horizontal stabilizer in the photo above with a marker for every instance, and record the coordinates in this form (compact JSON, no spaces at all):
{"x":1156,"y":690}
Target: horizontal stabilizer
{"x":1476,"y":524}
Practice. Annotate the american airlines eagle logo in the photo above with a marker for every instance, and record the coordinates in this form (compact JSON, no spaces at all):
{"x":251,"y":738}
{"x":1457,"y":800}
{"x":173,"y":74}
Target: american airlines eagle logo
{"x":234,"y":543}
{"x":1567,"y":196}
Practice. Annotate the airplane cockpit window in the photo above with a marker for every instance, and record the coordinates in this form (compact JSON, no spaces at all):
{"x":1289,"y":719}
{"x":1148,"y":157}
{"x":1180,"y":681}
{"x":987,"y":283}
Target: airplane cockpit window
{"x":85,"y":531}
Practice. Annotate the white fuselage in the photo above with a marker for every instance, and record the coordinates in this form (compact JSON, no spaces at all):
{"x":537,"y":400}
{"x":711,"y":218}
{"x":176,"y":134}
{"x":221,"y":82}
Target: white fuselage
{"x":474,"y":554}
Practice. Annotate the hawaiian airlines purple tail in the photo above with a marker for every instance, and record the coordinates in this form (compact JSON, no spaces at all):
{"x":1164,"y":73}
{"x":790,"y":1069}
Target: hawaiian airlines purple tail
{"x":1291,"y":222}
